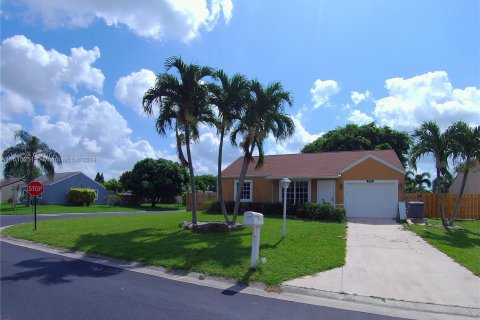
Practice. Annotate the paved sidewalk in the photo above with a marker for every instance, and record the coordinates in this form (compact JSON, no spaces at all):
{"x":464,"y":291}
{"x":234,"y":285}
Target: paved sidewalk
{"x":385,"y":260}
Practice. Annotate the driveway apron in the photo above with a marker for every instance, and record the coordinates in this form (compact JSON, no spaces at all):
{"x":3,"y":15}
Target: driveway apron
{"x":385,"y":260}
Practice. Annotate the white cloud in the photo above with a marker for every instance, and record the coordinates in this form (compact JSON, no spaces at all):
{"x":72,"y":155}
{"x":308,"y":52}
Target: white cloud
{"x":157,"y":19}
{"x":358,"y":97}
{"x":358,"y":117}
{"x":32,"y":74}
{"x":94,"y":128}
{"x":322,"y":90}
{"x":429,"y":96}
{"x":7,"y":132}
{"x":130,"y":89}
{"x":295,"y":143}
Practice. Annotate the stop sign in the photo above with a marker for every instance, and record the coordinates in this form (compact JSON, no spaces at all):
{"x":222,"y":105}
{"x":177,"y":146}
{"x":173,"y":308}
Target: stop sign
{"x":35,"y":188}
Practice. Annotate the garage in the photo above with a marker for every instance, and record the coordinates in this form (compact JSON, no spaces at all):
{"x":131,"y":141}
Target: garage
{"x":371,"y":198}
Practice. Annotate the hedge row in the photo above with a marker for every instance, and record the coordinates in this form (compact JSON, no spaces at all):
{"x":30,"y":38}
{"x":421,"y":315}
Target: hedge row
{"x":310,"y":211}
{"x":80,"y":196}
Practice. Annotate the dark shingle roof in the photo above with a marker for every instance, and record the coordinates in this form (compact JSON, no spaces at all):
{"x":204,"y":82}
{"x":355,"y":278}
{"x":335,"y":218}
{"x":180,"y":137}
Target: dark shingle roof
{"x":322,"y":164}
{"x":6,"y":182}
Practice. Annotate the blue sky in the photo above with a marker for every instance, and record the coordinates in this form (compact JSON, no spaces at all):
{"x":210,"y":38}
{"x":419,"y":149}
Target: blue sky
{"x":73,"y":72}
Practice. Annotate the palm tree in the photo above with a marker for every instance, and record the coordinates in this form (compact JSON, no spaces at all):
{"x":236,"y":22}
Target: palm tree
{"x":263,"y":115}
{"x":22,"y":159}
{"x":418,"y":180}
{"x":183,"y":104}
{"x":229,"y":97}
{"x":430,"y":140}
{"x":442,"y":183}
{"x":466,"y":152}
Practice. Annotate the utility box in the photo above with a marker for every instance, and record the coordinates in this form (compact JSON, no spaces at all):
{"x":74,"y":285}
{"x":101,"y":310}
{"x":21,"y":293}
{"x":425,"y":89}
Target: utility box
{"x":251,"y":218}
{"x":415,"y":210}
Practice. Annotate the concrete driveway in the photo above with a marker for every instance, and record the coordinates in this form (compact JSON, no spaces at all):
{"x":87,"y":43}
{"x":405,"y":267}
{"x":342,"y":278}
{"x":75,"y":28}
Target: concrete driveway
{"x":385,"y":260}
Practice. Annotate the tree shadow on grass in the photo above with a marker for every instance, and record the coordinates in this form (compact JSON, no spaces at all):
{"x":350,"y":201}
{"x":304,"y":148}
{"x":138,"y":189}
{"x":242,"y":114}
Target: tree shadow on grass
{"x":51,"y":271}
{"x":180,"y":249}
{"x":454,"y":238}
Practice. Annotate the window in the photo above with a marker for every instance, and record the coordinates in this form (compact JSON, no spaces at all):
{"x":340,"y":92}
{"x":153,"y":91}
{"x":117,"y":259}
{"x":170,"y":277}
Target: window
{"x":96,"y":194}
{"x":298,"y":192}
{"x":247,"y":191}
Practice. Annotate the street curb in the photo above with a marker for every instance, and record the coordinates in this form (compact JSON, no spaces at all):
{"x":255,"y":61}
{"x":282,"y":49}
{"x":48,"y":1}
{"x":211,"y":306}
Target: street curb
{"x":387,"y":307}
{"x":386,"y":302}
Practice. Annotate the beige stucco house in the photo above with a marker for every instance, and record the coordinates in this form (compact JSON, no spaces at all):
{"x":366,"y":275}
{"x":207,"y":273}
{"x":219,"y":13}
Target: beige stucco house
{"x":366,"y":183}
{"x":472,"y":185}
{"x":9,"y":188}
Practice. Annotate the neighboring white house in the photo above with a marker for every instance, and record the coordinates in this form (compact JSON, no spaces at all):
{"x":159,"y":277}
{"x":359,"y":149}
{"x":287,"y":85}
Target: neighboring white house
{"x":472,"y":186}
{"x":9,"y":188}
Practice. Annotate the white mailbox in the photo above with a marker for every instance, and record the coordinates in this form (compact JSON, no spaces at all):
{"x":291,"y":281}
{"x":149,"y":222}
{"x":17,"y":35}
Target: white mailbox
{"x":254,"y":220}
{"x":251,"y":218}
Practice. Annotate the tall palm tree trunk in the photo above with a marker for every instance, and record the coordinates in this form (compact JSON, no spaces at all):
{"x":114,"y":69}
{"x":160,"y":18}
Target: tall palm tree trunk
{"x":192,"y":178}
{"x":440,"y":198}
{"x":219,"y":177}
{"x":241,"y":180}
{"x":456,"y":209}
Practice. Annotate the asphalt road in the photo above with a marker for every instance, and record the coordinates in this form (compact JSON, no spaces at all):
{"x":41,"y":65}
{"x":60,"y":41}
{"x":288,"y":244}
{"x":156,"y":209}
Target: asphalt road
{"x":39,"y":285}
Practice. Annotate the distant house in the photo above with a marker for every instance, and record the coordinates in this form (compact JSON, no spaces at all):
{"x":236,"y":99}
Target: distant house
{"x":10,"y":188}
{"x":472,"y":185}
{"x":56,"y":190}
{"x":368,"y":183}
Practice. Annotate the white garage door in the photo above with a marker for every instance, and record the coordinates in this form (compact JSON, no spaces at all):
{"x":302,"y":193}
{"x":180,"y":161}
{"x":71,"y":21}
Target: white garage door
{"x":371,"y":199}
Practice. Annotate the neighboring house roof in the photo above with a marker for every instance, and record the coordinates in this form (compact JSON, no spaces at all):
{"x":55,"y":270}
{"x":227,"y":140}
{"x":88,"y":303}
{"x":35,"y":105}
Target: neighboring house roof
{"x":7,"y":182}
{"x":313,"y":165}
{"x":472,"y":185}
{"x":56,"y":178}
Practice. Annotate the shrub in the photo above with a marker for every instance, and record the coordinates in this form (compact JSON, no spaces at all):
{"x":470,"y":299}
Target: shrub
{"x":320,"y":211}
{"x":130,"y":200}
{"x":79,"y":196}
{"x":112,"y":200}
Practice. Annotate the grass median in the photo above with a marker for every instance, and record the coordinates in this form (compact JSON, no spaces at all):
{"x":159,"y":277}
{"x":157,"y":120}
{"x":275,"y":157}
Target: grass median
{"x":462,"y":246}
{"x":6,"y":209}
{"x":157,"y":240}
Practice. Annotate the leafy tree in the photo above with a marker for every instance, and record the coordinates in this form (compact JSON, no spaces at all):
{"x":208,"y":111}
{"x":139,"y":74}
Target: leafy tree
{"x":206,"y":182}
{"x":362,"y":137}
{"x":420,"y":181}
{"x":443,"y":183}
{"x":263,"y":115}
{"x":99,"y":178}
{"x":229,"y":98}
{"x":466,"y":153}
{"x":430,"y":140}
{"x":155,"y":179}
{"x":113,"y":185}
{"x":23,"y":158}
{"x":183,"y":103}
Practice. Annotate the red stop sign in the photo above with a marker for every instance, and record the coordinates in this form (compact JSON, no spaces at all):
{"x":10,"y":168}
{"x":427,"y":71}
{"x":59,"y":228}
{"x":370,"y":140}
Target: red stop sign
{"x":35,"y":188}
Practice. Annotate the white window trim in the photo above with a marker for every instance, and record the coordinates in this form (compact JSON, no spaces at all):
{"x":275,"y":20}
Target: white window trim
{"x":235,"y":182}
{"x":96,"y":194}
{"x":280,"y":188}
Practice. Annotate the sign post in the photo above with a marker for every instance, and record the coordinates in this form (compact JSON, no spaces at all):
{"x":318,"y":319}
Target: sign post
{"x":35,"y":189}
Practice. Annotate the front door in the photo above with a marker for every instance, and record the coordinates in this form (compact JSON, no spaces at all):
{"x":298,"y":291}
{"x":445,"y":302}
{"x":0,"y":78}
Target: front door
{"x":326,"y":191}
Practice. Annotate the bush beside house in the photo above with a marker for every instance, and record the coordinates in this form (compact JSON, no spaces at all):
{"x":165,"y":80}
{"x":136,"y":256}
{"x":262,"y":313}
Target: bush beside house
{"x":309,"y":211}
{"x":81,"y":196}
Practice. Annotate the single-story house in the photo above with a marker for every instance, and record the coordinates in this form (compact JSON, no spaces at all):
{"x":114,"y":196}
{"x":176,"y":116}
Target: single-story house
{"x":472,"y":185}
{"x":10,"y":188}
{"x":366,"y":183}
{"x":56,"y":190}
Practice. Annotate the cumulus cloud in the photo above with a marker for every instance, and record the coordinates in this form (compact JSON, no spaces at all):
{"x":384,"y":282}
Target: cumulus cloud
{"x":155,"y":19}
{"x":322,"y":90}
{"x":7,"y":132}
{"x":358,"y":117}
{"x":295,"y":143}
{"x":358,"y":97}
{"x":430,"y":96}
{"x":32,"y":74}
{"x":130,"y":89}
{"x":84,"y":134}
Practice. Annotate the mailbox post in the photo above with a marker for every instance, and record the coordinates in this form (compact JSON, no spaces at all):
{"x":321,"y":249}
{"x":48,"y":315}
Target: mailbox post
{"x":285,"y":184}
{"x":254,"y":220}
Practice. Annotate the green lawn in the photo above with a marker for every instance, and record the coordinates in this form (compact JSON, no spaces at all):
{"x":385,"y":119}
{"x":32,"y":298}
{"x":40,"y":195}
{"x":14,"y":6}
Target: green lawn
{"x":6,"y":209}
{"x":310,"y":247}
{"x":462,"y":246}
